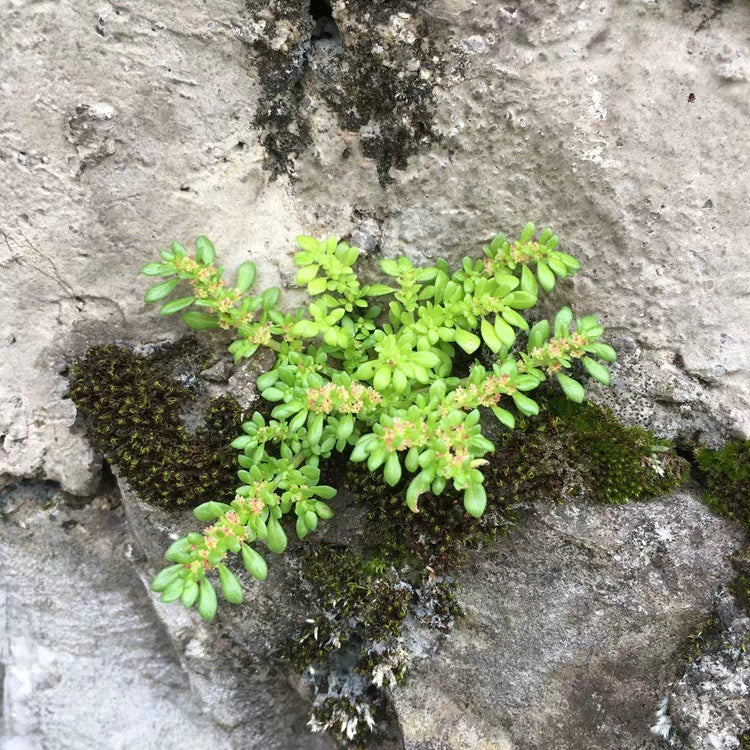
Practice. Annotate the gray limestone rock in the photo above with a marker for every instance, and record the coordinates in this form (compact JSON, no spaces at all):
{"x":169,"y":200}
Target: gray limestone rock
{"x":709,"y":707}
{"x":88,"y":658}
{"x":84,"y":662}
{"x":573,"y":630}
{"x":233,"y":661}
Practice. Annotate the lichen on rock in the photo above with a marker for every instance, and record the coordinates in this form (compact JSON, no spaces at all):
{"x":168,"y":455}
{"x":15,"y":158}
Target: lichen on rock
{"x":373,"y":66}
{"x":708,"y":704}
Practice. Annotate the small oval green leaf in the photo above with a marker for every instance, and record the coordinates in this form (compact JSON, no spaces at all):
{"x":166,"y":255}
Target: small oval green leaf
{"x":207,"y":603}
{"x":159,"y":291}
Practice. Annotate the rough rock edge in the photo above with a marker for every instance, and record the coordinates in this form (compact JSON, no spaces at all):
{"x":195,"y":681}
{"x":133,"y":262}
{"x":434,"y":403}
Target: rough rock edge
{"x":442,"y":724}
{"x":228,"y":660}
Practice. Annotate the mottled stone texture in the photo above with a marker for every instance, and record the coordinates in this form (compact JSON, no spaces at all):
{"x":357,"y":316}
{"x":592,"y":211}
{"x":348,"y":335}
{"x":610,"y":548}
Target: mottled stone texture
{"x":575,"y":627}
{"x":709,"y":706}
{"x":232,"y":662}
{"x":83,"y":660}
{"x":410,"y":127}
{"x":123,"y":127}
{"x":415,"y":127}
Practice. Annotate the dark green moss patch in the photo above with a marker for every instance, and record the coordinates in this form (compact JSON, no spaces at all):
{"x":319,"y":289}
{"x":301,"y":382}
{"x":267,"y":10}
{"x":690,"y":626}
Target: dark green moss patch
{"x":354,"y":600}
{"x":362,"y":601}
{"x":707,"y":637}
{"x":568,"y":452}
{"x":726,"y":473}
{"x":581,"y":451}
{"x":740,"y":585}
{"x":132,"y":406}
{"x":442,"y":532}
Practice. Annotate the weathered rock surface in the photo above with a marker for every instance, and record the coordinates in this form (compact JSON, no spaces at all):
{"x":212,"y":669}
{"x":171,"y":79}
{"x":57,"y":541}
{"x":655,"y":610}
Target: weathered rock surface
{"x":418,"y":128}
{"x":83,"y":660}
{"x":709,"y":707}
{"x":129,"y":125}
{"x":90,"y":659}
{"x":574,"y":630}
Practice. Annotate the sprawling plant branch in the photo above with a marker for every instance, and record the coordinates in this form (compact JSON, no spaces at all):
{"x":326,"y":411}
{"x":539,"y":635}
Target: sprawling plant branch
{"x":349,"y":377}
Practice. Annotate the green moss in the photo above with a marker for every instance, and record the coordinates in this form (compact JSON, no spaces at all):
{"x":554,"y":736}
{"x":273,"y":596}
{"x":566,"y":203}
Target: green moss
{"x":740,"y":584}
{"x":354,"y":603}
{"x":727,"y":479}
{"x":707,"y":637}
{"x":582,"y":449}
{"x":359,"y":600}
{"x":567,"y":452}
{"x":441,"y":533}
{"x":132,"y":406}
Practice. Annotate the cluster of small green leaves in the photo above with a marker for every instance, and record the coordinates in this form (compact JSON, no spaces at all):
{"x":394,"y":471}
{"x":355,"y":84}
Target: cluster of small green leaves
{"x":352,"y":376}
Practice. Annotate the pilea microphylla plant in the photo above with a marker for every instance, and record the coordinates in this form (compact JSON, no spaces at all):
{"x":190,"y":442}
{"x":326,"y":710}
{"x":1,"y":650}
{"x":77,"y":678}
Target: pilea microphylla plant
{"x":353,"y":376}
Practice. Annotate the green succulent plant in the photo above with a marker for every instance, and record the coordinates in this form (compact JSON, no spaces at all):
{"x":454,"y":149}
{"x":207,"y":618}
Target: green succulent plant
{"x":372,"y":381}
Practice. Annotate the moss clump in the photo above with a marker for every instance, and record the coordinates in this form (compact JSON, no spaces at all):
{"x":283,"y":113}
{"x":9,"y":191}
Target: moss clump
{"x":740,"y":588}
{"x":354,"y":646}
{"x":581,"y":451}
{"x":708,"y":637}
{"x":727,"y":478}
{"x":392,"y":45}
{"x":740,"y":584}
{"x":567,"y":452}
{"x":356,"y":604}
{"x":442,"y":532}
{"x":363,"y":600}
{"x":132,"y":406}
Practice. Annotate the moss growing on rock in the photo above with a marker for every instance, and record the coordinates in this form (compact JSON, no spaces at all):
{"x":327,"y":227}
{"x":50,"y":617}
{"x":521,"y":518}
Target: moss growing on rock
{"x":580,"y":451}
{"x":442,"y":532}
{"x":727,"y":477}
{"x":362,"y":600}
{"x":355,"y":645}
{"x":567,"y":452}
{"x":306,"y":51}
{"x":707,"y":637}
{"x":133,"y":405}
{"x":353,"y":600}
